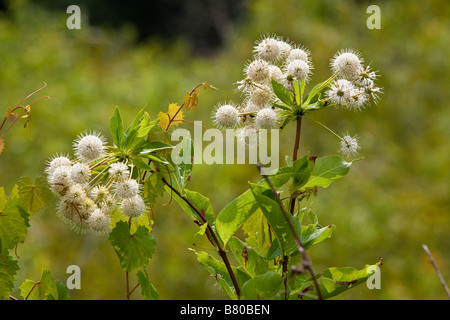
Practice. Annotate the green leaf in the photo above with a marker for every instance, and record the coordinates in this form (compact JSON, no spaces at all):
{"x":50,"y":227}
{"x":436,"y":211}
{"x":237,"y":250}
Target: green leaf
{"x":326,"y":170}
{"x":262,"y":286}
{"x":219,"y":270}
{"x":154,"y":146}
{"x":199,"y":201}
{"x":63,"y":292}
{"x":148,"y":291}
{"x":235,"y":213}
{"x":273,"y":213}
{"x":116,"y":128}
{"x":282,"y":93}
{"x":13,"y":219}
{"x":34,"y":192}
{"x":253,"y":263}
{"x":133,"y":250}
{"x":44,"y":289}
{"x":300,"y":172}
{"x":334,"y":281}
{"x":8,"y":270}
{"x":256,"y":228}
{"x":312,"y":234}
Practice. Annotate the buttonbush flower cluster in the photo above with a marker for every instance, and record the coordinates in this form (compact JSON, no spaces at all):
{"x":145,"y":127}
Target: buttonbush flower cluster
{"x":274,"y":84}
{"x":92,"y":185}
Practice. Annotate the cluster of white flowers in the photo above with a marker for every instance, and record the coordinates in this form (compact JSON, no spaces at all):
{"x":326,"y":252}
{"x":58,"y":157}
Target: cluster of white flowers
{"x":92,"y":186}
{"x":274,"y":58}
{"x":354,"y":86}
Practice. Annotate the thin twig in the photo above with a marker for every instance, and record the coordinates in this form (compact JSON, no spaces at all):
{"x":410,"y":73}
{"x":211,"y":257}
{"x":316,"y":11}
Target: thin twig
{"x":441,"y":278}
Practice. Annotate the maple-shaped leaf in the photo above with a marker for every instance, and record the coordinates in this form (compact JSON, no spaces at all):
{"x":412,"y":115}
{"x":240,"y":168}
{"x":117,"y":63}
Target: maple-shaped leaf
{"x":173,"y":117}
{"x":191,"y":100}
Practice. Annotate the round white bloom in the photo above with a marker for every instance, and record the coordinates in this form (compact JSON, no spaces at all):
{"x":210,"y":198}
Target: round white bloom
{"x":127,"y":189}
{"x":298,"y":54}
{"x":57,"y":161}
{"x":80,"y":173}
{"x":226,"y":116}
{"x":261,"y":95}
{"x":99,"y":222}
{"x":133,"y":207}
{"x":357,"y":100}
{"x":251,"y":107}
{"x":258,"y":71}
{"x":99,"y":193}
{"x":60,"y":179}
{"x":268,"y":49}
{"x":349,"y":145}
{"x":340,"y":92}
{"x":248,"y":136}
{"x":75,"y":193}
{"x":118,"y":171}
{"x":285,"y":48}
{"x":299,"y":69}
{"x":347,"y":64}
{"x":89,"y":147}
{"x":74,"y":214}
{"x":276,"y":74}
{"x":109,"y":204}
{"x":266,"y":119}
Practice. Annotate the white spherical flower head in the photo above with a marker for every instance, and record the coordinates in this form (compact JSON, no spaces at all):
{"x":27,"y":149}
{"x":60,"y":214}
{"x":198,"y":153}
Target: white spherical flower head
{"x":60,"y":179}
{"x":341,"y":92}
{"x":226,"y":116}
{"x":133,"y":207}
{"x":276,"y":74}
{"x":298,"y":54}
{"x":261,"y":95}
{"x":248,"y":136}
{"x":57,"y":161}
{"x":89,"y":147}
{"x":109,"y":204}
{"x":299,"y":69}
{"x":266,"y":119}
{"x":258,"y":71}
{"x":127,"y":189}
{"x":268,"y":49}
{"x":80,"y":173}
{"x":75,"y":194}
{"x":118,"y":171}
{"x":285,"y":48}
{"x":99,"y":222}
{"x":357,"y":100}
{"x":347,"y":64}
{"x":99,"y":193}
{"x":349,"y":145}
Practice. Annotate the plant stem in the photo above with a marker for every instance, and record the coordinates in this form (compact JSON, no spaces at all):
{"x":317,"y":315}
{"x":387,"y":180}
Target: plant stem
{"x":441,"y":278}
{"x":221,"y":251}
{"x":297,"y":138}
{"x":306,"y":261}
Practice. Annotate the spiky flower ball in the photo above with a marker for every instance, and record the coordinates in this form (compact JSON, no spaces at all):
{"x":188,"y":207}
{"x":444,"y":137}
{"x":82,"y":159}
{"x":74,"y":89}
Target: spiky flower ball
{"x":299,"y":69}
{"x":89,"y":146}
{"x":133,"y":207}
{"x":258,"y":71}
{"x":57,"y":161}
{"x":268,"y":49}
{"x":118,"y":171}
{"x":226,"y":116}
{"x":298,"y":54}
{"x":347,"y":63}
{"x":341,"y":92}
{"x":127,"y":189}
{"x":99,"y":222}
{"x":266,"y":119}
{"x":349,"y":145}
{"x":80,"y":173}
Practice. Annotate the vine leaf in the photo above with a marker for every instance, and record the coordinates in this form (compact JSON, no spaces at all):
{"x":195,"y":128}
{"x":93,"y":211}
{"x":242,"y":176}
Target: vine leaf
{"x":44,"y":289}
{"x":174,"y":116}
{"x":8,"y":269}
{"x":191,"y":100}
{"x":148,"y":291}
{"x":34,"y":192}
{"x":133,"y":250}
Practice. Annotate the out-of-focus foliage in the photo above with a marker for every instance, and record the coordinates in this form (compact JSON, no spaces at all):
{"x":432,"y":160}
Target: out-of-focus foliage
{"x":392,"y":201}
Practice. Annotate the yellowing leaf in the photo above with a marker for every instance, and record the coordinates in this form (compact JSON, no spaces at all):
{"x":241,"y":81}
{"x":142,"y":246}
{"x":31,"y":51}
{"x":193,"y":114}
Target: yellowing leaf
{"x":173,"y":117}
{"x":191,"y":100}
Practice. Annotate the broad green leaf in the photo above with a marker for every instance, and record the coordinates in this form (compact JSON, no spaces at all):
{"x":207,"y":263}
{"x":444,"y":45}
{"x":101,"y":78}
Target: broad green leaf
{"x":34,"y":192}
{"x":256,"y":228}
{"x":8,"y":270}
{"x":235,"y":213}
{"x":282,"y":93}
{"x":312,"y":234}
{"x":148,"y":291}
{"x":153,"y":188}
{"x":334,"y":281}
{"x":116,"y":128}
{"x":326,"y":170}
{"x":133,"y":250}
{"x":199,"y":201}
{"x":252,"y":262}
{"x":216,"y":268}
{"x":262,"y":286}
{"x":300,"y":172}
{"x":154,"y":146}
{"x":13,"y":219}
{"x":44,"y":289}
{"x":63,"y":292}
{"x":277,"y":220}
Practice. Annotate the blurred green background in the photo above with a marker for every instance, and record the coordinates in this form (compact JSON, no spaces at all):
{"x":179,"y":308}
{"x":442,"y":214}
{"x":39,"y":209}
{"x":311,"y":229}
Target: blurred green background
{"x":391,"y":203}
